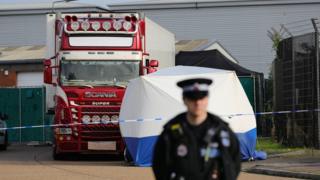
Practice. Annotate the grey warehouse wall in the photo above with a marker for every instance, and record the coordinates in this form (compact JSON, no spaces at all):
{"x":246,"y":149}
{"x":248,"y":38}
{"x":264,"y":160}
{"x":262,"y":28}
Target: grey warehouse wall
{"x":22,"y":30}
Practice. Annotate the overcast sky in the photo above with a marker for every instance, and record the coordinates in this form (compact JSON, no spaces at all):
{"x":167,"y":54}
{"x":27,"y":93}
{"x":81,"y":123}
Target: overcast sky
{"x":97,"y":2}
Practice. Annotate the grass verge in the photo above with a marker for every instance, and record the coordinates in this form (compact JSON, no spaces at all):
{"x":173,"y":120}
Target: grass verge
{"x":270,"y":146}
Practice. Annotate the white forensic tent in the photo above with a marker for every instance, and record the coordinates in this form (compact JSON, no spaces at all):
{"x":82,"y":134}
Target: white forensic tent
{"x":151,"y":100}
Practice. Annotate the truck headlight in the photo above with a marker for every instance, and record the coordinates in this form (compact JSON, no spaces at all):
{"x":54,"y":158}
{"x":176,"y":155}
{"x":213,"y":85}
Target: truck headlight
{"x":64,"y":131}
{"x":86,"y":119}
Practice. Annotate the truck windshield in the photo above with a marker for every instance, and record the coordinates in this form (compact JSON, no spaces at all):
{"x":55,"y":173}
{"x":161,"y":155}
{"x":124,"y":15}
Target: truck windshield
{"x":98,"y":73}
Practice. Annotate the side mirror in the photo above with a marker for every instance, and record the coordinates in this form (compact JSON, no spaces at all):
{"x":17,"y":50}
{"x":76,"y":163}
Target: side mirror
{"x":151,"y":66}
{"x":47,"y":62}
{"x":47,"y":75}
{"x":154,"y":63}
{"x":151,"y":70}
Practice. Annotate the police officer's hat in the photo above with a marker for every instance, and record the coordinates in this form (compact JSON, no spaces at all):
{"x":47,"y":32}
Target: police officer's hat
{"x":195,"y":88}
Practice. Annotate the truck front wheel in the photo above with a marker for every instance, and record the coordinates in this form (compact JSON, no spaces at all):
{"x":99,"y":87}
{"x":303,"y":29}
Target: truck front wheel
{"x":127,"y":156}
{"x":56,"y":155}
{"x":5,"y":143}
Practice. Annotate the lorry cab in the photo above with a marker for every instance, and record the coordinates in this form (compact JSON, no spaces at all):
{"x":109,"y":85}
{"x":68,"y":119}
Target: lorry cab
{"x":91,"y":59}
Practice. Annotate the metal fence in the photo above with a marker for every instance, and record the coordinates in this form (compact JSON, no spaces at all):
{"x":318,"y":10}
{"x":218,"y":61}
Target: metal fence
{"x":296,"y":85}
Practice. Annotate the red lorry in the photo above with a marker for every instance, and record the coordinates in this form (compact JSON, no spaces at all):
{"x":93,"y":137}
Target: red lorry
{"x":90,"y":59}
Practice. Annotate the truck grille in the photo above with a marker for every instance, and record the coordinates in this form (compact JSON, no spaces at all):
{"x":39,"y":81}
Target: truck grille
{"x":99,"y":110}
{"x":100,"y":132}
{"x":97,"y":132}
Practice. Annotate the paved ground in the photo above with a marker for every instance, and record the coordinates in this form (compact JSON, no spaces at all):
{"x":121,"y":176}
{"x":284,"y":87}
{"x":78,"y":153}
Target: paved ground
{"x":22,"y":162}
{"x":300,"y":164}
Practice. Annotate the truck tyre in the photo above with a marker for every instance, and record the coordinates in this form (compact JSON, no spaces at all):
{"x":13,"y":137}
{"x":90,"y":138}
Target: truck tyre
{"x":4,"y":146}
{"x":55,"y":155}
{"x":127,"y":156}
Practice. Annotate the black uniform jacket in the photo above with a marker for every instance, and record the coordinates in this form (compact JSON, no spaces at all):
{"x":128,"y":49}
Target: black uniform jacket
{"x":191,"y":152}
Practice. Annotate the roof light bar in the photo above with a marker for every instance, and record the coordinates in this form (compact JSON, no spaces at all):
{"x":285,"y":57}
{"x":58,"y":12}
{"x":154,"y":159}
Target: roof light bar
{"x":116,"y":26}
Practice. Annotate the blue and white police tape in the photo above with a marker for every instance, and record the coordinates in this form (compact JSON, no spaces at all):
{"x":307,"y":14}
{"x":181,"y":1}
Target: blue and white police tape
{"x":152,"y":119}
{"x":272,"y":113}
{"x":76,"y":124}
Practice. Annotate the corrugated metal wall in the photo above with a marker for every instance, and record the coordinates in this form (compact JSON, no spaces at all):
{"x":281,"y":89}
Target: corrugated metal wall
{"x":25,"y":107}
{"x":241,"y":30}
{"x":22,"y":30}
{"x":28,"y":27}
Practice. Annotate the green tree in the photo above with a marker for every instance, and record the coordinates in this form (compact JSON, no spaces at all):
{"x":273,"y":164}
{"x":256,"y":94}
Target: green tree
{"x":276,"y":38}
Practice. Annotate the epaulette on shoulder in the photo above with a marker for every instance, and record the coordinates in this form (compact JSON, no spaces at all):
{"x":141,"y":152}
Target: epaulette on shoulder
{"x":176,"y":129}
{"x":175,"y":126}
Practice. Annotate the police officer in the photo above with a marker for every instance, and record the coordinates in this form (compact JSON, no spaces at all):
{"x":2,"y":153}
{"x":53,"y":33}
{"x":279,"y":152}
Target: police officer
{"x":196,"y":145}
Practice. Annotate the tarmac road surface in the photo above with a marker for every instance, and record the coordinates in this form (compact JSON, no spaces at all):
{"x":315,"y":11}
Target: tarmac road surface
{"x":21,"y":162}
